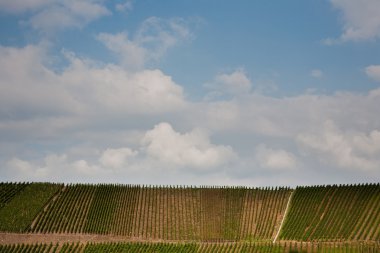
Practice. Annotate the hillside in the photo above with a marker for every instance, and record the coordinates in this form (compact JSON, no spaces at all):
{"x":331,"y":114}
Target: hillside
{"x":168,"y":213}
{"x":201,"y":219}
{"x":133,"y":247}
{"x":334,"y":213}
{"x":21,"y":203}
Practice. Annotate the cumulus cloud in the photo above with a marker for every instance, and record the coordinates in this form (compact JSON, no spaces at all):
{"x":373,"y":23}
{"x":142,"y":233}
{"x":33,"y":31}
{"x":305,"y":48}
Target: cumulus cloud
{"x":161,"y":149}
{"x":235,"y":83}
{"x":68,"y":14}
{"x":189,"y":150}
{"x":81,"y":88}
{"x":373,"y":72}
{"x":217,"y":115}
{"x":23,"y":170}
{"x":150,"y":42}
{"x":132,"y":55}
{"x":53,"y":167}
{"x":320,"y":128}
{"x":285,"y":117}
{"x":111,"y":88}
{"x":33,"y":87}
{"x":26,"y":170}
{"x":346,"y":149}
{"x":116,"y":158}
{"x":49,"y":16}
{"x":92,"y":104}
{"x":277,"y":159}
{"x":361,"y":20}
{"x":95,"y":103}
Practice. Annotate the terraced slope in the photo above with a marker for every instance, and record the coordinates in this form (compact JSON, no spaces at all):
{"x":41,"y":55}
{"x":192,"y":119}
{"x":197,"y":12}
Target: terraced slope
{"x":328,"y":213}
{"x":169,"y":213}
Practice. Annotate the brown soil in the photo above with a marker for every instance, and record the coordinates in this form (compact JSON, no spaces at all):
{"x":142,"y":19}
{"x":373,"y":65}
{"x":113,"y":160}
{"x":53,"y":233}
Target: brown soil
{"x":14,"y":238}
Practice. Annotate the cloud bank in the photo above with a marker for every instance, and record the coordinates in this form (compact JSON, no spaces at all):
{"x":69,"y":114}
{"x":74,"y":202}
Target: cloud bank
{"x":131,"y":122}
{"x":360,"y":19}
{"x":48,"y":16}
{"x":96,"y":122}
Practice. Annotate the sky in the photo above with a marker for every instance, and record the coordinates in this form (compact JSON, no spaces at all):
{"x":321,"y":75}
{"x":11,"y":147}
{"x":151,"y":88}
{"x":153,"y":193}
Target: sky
{"x":200,"y":92}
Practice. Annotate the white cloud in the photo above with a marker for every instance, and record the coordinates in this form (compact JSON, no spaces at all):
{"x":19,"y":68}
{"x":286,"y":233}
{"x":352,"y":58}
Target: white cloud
{"x":112,"y":89}
{"x":56,"y":168}
{"x":81,"y":89}
{"x":161,"y":150}
{"x":218,"y":115}
{"x":132,"y":55}
{"x":316,"y":73}
{"x":33,"y":87}
{"x":48,"y":16}
{"x":285,"y":117}
{"x":69,"y":14}
{"x":188,"y":150}
{"x":277,"y":159}
{"x":124,"y":7}
{"x":347,"y":142}
{"x":345,"y":149}
{"x":116,"y":158}
{"x":234,"y":83}
{"x":82,"y":167}
{"x":21,"y":170}
{"x":26,"y":170}
{"x":361,"y":20}
{"x":150,"y":42}
{"x":373,"y":72}
{"x":91,"y":105}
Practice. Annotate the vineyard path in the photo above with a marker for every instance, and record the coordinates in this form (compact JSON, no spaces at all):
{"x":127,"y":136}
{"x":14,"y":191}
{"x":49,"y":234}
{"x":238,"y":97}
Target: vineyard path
{"x":32,"y":238}
{"x":283,"y":218}
{"x":15,"y":238}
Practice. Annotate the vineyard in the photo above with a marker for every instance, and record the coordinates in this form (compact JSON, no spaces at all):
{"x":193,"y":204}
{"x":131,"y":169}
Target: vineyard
{"x":8,"y":191}
{"x":138,"y":247}
{"x":134,"y":218}
{"x":168,"y":213}
{"x":22,"y":202}
{"x":334,"y":213}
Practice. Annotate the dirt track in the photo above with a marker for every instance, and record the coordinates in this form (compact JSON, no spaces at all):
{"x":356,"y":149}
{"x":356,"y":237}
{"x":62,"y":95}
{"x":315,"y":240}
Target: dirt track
{"x":15,"y":238}
{"x":12,"y":238}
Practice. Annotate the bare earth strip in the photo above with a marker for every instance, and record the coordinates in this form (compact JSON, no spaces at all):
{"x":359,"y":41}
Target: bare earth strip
{"x":14,"y":238}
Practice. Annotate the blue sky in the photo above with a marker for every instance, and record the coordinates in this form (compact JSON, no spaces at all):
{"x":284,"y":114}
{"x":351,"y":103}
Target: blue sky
{"x":190,"y":92}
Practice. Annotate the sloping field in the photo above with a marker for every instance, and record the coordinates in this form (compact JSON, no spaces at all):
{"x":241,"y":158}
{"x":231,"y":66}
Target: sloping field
{"x":327,"y":213}
{"x":132,"y":218}
{"x":139,"y":247}
{"x":9,"y":190}
{"x":169,"y":213}
{"x":23,"y":204}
